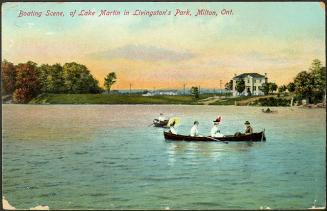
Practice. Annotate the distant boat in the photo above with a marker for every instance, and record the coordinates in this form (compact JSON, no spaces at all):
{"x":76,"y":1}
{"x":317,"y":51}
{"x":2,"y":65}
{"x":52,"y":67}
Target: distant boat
{"x":268,"y":111}
{"x":158,"y":123}
{"x":241,"y":138}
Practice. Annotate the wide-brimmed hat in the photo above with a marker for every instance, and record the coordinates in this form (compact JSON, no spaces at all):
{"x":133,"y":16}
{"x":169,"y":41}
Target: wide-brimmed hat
{"x":174,"y":121}
{"x":218,"y":119}
{"x":246,"y":122}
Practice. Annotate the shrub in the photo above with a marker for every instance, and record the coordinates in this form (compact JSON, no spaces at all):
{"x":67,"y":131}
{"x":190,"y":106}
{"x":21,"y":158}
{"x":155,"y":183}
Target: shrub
{"x":271,"y":101}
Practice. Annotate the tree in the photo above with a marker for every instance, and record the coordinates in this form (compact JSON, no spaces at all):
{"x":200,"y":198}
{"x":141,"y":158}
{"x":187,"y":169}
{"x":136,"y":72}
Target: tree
{"x":109,"y":80}
{"x":265,"y":88}
{"x":43,"y":72}
{"x":51,"y":78}
{"x":240,"y":86}
{"x":282,"y":89}
{"x":195,"y":92}
{"x":229,"y":85}
{"x":8,"y":77}
{"x":272,"y":87}
{"x":77,"y":79}
{"x":319,"y":76}
{"x":291,"y":87}
{"x":27,"y":82}
{"x":304,"y":85}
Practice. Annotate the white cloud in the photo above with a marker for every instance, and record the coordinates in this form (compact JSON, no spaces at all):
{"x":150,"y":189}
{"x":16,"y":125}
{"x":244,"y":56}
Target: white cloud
{"x":146,"y":53}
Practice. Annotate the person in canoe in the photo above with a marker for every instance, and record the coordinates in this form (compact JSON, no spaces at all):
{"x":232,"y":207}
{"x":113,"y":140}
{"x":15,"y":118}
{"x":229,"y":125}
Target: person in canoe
{"x":215,"y":132}
{"x":194,"y":129}
{"x":248,"y":128}
{"x":172,"y":128}
{"x":267,"y":110}
{"x":161,"y":117}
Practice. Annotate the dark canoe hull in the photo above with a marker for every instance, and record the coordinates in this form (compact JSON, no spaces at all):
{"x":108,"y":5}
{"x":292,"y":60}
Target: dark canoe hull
{"x":158,"y":123}
{"x":269,"y":112}
{"x":241,"y":138}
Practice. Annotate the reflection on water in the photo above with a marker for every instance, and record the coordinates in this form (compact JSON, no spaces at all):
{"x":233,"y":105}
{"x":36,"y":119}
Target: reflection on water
{"x":213,"y":150}
{"x":102,"y":156}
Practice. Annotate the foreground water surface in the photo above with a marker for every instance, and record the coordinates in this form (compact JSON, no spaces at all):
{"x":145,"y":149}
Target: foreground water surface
{"x":107,"y":157}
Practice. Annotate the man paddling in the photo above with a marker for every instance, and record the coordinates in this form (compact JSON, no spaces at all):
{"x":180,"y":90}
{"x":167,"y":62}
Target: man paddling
{"x":215,"y":132}
{"x":248,"y":128}
{"x":161,"y":117}
{"x":194,"y":129}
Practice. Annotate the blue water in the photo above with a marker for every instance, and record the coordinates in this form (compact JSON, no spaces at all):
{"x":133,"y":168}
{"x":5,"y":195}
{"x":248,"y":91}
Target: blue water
{"x":106,"y":157}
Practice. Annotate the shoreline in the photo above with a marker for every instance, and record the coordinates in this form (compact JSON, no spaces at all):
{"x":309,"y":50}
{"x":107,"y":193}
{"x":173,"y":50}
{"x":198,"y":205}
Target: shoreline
{"x":139,"y":104}
{"x":205,"y":99}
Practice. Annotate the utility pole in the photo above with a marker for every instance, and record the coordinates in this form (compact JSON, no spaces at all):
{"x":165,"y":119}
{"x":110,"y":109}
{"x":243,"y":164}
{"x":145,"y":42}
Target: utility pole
{"x":184,"y":88}
{"x":220,"y":86}
{"x":130,"y":88}
{"x":199,"y":89}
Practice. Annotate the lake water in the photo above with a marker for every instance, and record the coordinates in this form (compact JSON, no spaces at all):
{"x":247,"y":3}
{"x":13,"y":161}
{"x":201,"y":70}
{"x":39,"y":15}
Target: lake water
{"x":106,"y":157}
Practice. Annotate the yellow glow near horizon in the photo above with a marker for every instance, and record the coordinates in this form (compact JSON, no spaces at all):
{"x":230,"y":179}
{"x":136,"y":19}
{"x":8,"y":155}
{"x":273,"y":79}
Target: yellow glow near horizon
{"x":280,"y":39}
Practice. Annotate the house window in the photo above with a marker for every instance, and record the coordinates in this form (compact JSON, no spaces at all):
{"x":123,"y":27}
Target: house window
{"x":254,"y":81}
{"x":248,"y":81}
{"x":260,"y":80}
{"x":254,"y":88}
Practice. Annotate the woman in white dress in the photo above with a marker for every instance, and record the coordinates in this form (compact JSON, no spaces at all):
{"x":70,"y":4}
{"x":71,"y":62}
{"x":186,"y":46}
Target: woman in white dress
{"x":215,"y":132}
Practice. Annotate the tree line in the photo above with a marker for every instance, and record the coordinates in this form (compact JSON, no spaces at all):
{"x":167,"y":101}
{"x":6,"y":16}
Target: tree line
{"x":25,"y":81}
{"x":308,"y":84}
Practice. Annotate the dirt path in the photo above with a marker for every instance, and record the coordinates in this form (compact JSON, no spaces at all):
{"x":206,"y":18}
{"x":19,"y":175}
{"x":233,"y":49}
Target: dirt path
{"x":209,"y":100}
{"x":247,"y":101}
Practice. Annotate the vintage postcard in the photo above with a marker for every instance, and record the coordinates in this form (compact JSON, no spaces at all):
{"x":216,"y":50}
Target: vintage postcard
{"x":163,"y":105}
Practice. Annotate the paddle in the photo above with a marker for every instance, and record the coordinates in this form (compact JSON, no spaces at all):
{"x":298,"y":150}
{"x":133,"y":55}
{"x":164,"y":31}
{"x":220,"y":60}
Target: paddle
{"x":263,"y":134}
{"x":150,"y":124}
{"x":225,"y":142}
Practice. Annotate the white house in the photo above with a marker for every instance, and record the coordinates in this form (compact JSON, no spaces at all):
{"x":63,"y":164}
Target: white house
{"x":253,"y":83}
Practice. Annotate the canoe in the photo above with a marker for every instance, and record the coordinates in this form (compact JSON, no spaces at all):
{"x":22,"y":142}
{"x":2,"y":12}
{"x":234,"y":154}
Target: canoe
{"x":238,"y":138}
{"x":158,"y":123}
{"x":268,"y":112}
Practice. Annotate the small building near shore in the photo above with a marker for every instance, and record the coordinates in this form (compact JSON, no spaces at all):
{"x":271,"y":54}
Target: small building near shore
{"x":253,"y":83}
{"x":160,"y":92}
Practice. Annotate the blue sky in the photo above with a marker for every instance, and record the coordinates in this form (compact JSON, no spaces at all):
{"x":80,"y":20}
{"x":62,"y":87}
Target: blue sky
{"x":279,"y":38}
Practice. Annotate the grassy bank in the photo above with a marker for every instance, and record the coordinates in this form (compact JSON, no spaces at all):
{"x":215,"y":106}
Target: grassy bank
{"x":205,"y":99}
{"x":112,"y":99}
{"x":231,"y":100}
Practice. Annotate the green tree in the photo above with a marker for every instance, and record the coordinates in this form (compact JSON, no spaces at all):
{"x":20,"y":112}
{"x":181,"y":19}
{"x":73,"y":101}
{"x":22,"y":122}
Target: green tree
{"x":265,"y":88}
{"x":77,"y":79}
{"x":51,"y":78}
{"x":8,"y":77}
{"x":272,"y":87}
{"x":195,"y":92}
{"x":229,"y":85}
{"x":43,"y":72}
{"x":319,"y":76}
{"x":109,"y":80}
{"x":282,"y":89}
{"x":291,"y":87}
{"x":27,"y":82}
{"x":304,"y":85}
{"x":240,"y":86}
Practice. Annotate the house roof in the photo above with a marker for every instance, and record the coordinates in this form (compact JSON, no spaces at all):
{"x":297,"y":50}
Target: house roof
{"x":254,"y":75}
